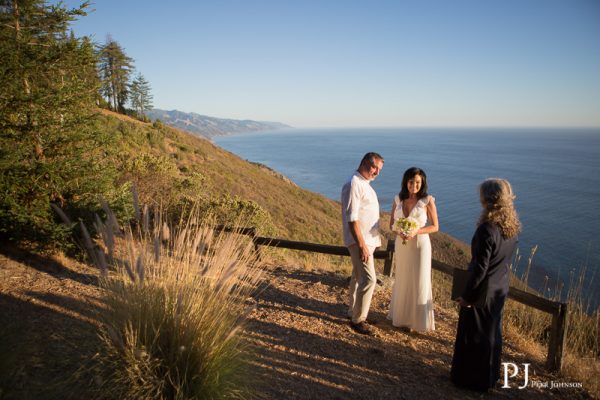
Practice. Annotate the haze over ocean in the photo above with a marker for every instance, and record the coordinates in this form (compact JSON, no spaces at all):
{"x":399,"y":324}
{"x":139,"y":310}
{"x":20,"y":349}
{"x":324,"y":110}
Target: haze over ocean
{"x":555,"y":174}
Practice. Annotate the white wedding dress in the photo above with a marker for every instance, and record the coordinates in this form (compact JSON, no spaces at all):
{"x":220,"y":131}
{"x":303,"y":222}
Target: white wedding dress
{"x":412,"y":301}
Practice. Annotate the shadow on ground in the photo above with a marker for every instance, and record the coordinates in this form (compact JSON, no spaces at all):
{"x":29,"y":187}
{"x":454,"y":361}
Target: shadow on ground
{"x":41,"y":349}
{"x":306,"y":350}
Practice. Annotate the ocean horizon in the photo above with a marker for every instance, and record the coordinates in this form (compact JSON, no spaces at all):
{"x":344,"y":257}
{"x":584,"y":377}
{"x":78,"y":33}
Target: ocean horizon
{"x":555,"y":173}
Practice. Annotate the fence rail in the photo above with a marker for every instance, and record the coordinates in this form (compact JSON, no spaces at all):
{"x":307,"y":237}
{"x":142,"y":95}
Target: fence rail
{"x":558,"y":310}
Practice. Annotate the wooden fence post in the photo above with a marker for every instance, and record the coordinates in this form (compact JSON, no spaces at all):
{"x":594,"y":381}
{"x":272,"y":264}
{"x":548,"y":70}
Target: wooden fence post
{"x":558,"y":337}
{"x":252,"y":232}
{"x":387,"y":266}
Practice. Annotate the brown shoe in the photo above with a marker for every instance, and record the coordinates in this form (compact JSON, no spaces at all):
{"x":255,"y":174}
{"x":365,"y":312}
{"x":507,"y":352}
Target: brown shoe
{"x":361,"y":328}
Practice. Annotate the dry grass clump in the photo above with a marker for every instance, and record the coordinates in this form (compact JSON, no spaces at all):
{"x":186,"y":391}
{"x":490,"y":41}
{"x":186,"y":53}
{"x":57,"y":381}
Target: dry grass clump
{"x":174,"y":308}
{"x":581,"y":358}
{"x":583,"y":336}
{"x":583,"y":327}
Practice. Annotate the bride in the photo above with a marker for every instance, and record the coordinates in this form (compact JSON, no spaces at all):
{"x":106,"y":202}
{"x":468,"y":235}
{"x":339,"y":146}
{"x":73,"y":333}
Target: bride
{"x":412,"y":304}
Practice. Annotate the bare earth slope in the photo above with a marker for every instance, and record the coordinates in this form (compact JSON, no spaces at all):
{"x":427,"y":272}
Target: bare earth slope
{"x":304,"y":346}
{"x":306,"y":349}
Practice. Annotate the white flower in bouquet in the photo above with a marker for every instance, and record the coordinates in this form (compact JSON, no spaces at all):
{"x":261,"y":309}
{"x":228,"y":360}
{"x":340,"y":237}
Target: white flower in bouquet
{"x":406,"y":226}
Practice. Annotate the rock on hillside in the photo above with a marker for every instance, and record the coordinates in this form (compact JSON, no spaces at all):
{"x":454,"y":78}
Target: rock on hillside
{"x":208,"y":127}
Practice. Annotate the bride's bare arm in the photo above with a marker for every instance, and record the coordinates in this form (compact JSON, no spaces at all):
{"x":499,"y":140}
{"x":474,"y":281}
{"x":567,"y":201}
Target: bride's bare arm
{"x":432,"y":217}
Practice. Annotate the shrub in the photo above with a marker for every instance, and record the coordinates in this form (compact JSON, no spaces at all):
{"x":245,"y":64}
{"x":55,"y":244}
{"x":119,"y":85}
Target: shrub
{"x":174,"y":312}
{"x":153,"y":176}
{"x":228,"y":210}
{"x":155,"y":137}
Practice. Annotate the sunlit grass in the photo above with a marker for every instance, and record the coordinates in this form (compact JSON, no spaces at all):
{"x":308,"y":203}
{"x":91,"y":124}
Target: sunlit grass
{"x":175,"y":306}
{"x":582,"y":347}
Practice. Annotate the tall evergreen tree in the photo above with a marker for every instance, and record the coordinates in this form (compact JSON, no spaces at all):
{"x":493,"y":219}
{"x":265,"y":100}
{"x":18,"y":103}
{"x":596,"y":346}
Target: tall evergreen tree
{"x":49,"y":147}
{"x":140,"y":95}
{"x":115,"y":69}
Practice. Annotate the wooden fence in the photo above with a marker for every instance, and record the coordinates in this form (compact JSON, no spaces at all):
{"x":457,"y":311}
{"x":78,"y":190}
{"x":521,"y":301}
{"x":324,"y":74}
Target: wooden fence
{"x":559,"y":311}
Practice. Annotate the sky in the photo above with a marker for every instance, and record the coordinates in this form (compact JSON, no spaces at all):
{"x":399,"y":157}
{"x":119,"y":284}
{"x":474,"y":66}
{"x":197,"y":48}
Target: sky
{"x":346,"y":63}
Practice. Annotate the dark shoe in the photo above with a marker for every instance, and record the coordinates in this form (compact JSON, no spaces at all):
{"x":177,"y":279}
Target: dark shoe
{"x":369,"y":320}
{"x":361,"y":328}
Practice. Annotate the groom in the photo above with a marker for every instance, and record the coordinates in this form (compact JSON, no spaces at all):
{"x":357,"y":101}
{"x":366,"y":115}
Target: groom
{"x":360,"y":218}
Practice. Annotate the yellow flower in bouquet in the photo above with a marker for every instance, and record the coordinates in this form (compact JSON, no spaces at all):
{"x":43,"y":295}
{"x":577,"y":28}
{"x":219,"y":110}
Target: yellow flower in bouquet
{"x":405,"y":226}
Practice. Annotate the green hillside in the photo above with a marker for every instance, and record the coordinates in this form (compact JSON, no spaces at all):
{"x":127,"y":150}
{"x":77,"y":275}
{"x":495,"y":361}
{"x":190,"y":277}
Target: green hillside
{"x":170,"y":166}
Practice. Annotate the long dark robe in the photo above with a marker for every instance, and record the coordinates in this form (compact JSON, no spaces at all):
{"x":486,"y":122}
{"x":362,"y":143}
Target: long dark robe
{"x":478,"y":346}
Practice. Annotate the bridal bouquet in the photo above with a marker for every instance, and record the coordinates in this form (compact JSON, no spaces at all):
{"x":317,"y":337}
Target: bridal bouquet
{"x":405,"y":226}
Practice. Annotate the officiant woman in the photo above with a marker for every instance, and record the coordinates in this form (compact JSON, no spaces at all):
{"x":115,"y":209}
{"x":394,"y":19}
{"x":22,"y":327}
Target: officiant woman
{"x":478,"y":346}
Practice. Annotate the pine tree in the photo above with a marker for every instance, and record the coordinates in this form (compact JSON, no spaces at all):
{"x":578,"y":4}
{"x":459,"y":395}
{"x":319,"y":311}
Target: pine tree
{"x":140,"y":96}
{"x":115,"y":68}
{"x":49,"y":146}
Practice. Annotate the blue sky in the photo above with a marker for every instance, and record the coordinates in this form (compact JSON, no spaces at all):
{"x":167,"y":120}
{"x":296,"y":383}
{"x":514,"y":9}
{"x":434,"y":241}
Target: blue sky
{"x":328,"y":63}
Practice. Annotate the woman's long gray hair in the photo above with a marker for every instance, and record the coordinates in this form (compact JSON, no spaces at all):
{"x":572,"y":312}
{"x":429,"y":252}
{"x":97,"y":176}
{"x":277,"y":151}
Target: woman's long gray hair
{"x":498,"y":207}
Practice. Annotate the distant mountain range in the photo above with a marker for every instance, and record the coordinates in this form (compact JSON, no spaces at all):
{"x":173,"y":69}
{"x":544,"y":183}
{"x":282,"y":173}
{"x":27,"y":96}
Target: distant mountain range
{"x":209,"y":127}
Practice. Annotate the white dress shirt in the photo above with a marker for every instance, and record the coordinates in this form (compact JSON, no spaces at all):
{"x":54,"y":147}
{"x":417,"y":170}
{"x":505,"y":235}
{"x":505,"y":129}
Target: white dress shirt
{"x":359,"y":203}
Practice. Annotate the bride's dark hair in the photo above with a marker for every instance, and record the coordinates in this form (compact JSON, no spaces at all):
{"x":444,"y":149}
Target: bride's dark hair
{"x":408,"y":175}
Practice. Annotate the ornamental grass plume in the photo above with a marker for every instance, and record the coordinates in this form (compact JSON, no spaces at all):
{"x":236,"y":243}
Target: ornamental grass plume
{"x":582,"y":346}
{"x":174,"y":311}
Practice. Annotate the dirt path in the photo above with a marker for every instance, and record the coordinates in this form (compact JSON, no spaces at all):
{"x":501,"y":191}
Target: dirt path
{"x":306,"y":349}
{"x":47,"y":325}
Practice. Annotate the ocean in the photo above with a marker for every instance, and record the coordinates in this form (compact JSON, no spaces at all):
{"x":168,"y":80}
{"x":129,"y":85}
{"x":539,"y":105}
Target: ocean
{"x":555,"y":174}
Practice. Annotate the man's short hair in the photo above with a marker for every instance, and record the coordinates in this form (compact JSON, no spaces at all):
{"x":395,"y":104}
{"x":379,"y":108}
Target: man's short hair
{"x":369,"y":158}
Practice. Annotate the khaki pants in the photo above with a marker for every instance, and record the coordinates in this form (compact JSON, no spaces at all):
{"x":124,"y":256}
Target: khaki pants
{"x":362,"y":284}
